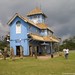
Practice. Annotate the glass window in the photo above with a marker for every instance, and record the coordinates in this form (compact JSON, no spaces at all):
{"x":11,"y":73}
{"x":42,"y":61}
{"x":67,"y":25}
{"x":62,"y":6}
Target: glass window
{"x":36,"y":30}
{"x":42,"y":30}
{"x":35,"y":16}
{"x":18,"y":27}
{"x":38,"y":16}
{"x":30,"y":26}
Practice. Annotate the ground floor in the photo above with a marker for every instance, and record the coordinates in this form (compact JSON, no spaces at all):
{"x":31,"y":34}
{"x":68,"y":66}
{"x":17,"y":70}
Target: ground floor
{"x":29,"y":48}
{"x":33,"y":45}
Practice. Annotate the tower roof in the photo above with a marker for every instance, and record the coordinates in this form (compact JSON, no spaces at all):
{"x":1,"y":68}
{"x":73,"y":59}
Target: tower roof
{"x":36,"y":11}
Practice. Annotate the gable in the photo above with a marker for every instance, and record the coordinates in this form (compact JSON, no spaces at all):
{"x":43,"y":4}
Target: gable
{"x":25,"y":25}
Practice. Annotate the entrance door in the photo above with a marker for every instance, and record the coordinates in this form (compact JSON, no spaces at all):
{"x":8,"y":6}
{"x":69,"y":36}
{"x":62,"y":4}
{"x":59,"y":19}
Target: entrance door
{"x":18,"y":50}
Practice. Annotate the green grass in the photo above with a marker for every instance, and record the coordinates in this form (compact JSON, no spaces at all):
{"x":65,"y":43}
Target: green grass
{"x":32,"y":66}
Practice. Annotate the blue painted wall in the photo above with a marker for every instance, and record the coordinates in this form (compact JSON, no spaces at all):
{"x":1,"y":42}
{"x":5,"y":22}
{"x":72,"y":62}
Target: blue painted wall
{"x":33,"y":29}
{"x":43,"y":33}
{"x":40,"y":18}
{"x":19,"y":39}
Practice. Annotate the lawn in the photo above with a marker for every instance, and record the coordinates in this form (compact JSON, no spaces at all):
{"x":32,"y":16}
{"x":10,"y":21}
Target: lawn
{"x":31,"y":66}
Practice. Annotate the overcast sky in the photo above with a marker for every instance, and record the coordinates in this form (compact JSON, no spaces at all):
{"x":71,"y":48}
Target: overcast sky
{"x":60,"y":13}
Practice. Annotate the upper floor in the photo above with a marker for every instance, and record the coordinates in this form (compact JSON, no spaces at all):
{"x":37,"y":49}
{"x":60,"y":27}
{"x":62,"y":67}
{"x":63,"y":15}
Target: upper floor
{"x":20,"y":26}
{"x":37,"y":16}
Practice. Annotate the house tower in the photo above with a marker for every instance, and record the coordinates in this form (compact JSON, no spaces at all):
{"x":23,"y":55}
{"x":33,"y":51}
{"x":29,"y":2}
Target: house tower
{"x":37,"y":16}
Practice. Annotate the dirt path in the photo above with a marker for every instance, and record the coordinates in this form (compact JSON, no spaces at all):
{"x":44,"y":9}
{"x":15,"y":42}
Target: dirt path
{"x":39,"y":57}
{"x":47,"y":56}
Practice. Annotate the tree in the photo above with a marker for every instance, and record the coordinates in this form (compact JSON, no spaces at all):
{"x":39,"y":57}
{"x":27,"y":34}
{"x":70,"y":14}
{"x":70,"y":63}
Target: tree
{"x":4,"y":43}
{"x":68,"y":43}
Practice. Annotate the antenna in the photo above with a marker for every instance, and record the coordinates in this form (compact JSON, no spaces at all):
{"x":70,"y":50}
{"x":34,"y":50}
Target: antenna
{"x":40,"y":6}
{"x":37,"y":3}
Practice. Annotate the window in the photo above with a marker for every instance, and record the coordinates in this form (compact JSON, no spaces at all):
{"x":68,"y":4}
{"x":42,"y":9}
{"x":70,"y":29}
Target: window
{"x":38,"y":16}
{"x":35,"y":16}
{"x":18,"y":27}
{"x":36,"y":30}
{"x":30,"y":26}
{"x":42,"y":30}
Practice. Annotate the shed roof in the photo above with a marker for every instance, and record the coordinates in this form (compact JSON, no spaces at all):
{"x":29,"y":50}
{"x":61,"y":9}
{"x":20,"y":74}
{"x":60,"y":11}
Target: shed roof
{"x":43,"y":38}
{"x":42,"y":25}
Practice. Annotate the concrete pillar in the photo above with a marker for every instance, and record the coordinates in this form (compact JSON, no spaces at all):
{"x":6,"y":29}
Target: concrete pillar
{"x":51,"y":50}
{"x":21,"y":52}
{"x":12,"y":53}
{"x":31,"y":51}
{"x":5,"y":53}
{"x":35,"y":52}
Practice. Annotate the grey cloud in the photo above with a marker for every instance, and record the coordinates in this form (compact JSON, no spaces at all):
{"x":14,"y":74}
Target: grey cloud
{"x":61,"y":13}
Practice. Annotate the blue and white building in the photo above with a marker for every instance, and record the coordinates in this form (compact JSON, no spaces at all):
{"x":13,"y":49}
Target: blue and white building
{"x":31,"y":33}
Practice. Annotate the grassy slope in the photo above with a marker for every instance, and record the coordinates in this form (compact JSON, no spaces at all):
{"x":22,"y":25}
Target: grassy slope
{"x":31,"y":66}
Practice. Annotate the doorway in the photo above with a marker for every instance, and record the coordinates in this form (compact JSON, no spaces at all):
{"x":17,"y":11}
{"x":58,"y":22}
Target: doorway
{"x":18,"y":50}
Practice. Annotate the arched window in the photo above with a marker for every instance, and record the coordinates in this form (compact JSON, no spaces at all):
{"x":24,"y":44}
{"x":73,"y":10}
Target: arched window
{"x":18,"y":22}
{"x":18,"y":27}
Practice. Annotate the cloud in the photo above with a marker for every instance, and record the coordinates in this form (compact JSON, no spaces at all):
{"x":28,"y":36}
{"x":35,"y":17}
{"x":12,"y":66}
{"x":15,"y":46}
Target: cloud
{"x":61,"y":13}
{"x":66,"y":36}
{"x":3,"y":29}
